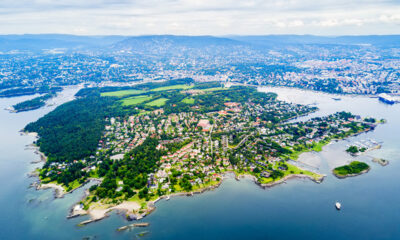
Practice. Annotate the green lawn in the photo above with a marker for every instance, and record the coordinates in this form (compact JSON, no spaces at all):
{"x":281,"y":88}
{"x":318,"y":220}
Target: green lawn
{"x":296,"y":170}
{"x":180,"y":86}
{"x":188,"y":100}
{"x":292,"y":169}
{"x":135,"y":100}
{"x":158,"y":102}
{"x":122,"y":93}
{"x":317,"y":147}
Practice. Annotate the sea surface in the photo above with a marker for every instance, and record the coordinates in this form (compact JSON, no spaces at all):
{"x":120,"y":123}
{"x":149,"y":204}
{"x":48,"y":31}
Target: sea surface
{"x":297,"y":209}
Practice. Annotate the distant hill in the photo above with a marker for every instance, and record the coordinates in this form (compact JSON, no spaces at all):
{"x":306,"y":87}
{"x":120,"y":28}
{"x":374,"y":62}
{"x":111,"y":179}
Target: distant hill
{"x":164,"y":44}
{"x":41,"y":42}
{"x":276,"y":40}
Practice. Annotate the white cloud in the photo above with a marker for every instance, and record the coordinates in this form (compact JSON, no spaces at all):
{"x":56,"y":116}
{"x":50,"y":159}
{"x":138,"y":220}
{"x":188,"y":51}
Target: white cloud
{"x":199,"y":17}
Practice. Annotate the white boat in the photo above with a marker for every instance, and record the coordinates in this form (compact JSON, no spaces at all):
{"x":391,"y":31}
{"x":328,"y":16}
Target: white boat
{"x":338,"y":205}
{"x":167,"y":198}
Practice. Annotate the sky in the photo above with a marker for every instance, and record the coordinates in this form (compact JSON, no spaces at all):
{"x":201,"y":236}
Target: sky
{"x":200,"y":17}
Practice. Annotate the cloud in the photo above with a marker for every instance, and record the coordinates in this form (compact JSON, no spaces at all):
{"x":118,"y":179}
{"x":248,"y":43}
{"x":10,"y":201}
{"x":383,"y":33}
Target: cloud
{"x":200,"y":17}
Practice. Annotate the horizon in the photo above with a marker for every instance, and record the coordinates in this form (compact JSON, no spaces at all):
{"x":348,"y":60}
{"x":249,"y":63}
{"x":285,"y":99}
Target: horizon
{"x":205,"y":35}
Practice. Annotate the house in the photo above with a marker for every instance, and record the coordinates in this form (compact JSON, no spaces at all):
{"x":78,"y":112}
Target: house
{"x":265,"y":174}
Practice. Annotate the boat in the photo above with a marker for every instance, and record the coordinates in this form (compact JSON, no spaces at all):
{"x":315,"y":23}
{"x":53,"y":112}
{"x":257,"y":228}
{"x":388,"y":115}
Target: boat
{"x":167,"y":198}
{"x":385,"y":98}
{"x":338,"y":205}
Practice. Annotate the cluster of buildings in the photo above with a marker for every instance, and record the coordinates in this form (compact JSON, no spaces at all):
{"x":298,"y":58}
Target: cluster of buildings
{"x":241,"y":137}
{"x":339,"y":70}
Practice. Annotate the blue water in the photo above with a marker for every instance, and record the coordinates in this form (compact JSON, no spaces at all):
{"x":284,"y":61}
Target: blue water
{"x":299,"y":209}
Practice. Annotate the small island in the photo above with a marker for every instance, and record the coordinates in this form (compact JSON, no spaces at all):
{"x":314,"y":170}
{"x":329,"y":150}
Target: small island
{"x":380,"y":161}
{"x":32,"y":104}
{"x":355,"y":168}
{"x":354,"y":150}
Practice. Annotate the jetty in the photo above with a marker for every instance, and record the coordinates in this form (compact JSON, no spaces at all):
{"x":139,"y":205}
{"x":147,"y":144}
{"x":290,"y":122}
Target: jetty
{"x":132,"y":226}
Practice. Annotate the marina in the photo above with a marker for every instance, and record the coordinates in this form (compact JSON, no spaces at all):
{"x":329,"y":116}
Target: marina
{"x":365,"y":145}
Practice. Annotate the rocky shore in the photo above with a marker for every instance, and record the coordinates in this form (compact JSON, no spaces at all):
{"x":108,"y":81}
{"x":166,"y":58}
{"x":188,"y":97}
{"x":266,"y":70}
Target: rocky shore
{"x":129,"y":208}
{"x":292,"y":176}
{"x":282,"y":180}
{"x":59,"y":191}
{"x":380,"y":161}
{"x":133,"y":211}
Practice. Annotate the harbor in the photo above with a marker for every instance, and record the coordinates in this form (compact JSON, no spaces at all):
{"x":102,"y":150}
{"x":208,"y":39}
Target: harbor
{"x":363,"y":146}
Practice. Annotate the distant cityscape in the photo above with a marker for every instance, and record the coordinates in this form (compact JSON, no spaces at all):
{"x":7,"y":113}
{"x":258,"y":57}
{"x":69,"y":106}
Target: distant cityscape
{"x":349,"y":65}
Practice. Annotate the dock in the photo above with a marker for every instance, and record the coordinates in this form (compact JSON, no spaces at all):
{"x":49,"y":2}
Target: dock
{"x":132,"y":226}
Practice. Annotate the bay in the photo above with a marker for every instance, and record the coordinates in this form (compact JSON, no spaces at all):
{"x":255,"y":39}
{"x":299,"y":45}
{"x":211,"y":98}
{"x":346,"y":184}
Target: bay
{"x":298,"y":209}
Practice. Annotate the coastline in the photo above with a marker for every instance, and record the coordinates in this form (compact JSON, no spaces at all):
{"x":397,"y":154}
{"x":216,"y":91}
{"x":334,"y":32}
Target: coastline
{"x":128,"y":207}
{"x":282,"y":180}
{"x":101,"y":211}
{"x":131,"y":208}
{"x":59,"y":191}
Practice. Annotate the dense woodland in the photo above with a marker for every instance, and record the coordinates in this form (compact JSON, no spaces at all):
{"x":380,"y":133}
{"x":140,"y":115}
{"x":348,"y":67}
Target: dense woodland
{"x":72,"y":130}
{"x":133,"y":170}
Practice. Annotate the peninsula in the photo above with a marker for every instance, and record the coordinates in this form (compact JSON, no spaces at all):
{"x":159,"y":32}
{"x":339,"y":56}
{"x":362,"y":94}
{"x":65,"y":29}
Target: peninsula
{"x":154,"y":140}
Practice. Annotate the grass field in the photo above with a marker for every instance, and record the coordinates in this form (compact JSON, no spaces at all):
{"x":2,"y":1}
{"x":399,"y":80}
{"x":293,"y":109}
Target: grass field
{"x":188,"y":100}
{"x":180,"y":86}
{"x":135,"y":100}
{"x":292,"y":169}
{"x":158,"y":102}
{"x":122,"y":93}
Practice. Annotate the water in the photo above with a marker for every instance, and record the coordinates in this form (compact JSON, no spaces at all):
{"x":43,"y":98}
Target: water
{"x":300,"y":209}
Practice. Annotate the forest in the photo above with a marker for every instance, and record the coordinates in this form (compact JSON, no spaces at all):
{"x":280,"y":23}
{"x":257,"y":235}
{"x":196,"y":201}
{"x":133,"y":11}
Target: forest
{"x":72,"y":130}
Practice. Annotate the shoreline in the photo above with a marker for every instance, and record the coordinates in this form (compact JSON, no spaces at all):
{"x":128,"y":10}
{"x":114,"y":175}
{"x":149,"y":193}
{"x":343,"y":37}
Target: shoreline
{"x":101,"y":213}
{"x":130,"y":208}
{"x":100,"y":210}
{"x":127,"y":207}
{"x":282,"y":180}
{"x":59,"y":191}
